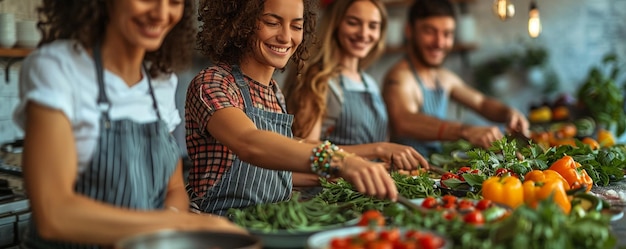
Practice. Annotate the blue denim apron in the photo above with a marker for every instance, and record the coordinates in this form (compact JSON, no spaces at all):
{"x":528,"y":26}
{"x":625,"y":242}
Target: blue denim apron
{"x":244,"y":184}
{"x":435,"y":104}
{"x":131,"y":166}
{"x":363,"y":118}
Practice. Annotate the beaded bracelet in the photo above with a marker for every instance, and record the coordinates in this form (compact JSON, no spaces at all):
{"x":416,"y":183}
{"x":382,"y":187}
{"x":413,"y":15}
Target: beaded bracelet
{"x":325,"y":158}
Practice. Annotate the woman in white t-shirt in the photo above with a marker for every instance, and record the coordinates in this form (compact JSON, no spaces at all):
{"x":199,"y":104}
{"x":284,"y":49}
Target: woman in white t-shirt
{"x":97,"y":107}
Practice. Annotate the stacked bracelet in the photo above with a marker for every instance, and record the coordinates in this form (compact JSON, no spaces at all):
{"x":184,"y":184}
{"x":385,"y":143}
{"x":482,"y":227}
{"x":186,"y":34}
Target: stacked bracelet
{"x":325,"y":159}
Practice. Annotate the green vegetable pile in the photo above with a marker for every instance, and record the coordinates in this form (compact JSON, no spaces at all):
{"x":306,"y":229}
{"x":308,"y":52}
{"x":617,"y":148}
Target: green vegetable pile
{"x":604,"y":166}
{"x":293,"y":215}
{"x":544,"y":227}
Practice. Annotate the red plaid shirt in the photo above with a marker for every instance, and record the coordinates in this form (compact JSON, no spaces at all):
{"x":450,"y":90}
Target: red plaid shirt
{"x":213,"y":89}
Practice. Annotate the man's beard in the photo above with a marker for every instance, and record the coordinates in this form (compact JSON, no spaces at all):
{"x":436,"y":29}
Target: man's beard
{"x":417,"y":52}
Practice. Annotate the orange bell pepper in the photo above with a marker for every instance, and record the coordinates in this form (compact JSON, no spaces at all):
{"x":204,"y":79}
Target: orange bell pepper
{"x":546,"y":176}
{"x":505,"y":190}
{"x":534,"y":192}
{"x":573,"y":173}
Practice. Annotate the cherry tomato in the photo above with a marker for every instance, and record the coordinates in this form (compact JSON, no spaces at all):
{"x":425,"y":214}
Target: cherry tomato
{"x":379,"y":244}
{"x":465,"y":205}
{"x":463,"y":170}
{"x":446,"y":176}
{"x":392,"y":234}
{"x":338,"y":243}
{"x":407,"y":244}
{"x":430,"y":202}
{"x":412,"y":235}
{"x":476,"y":172}
{"x":474,"y":217}
{"x":501,"y":171}
{"x":449,"y":214}
{"x":368,"y":235}
{"x":429,"y":241}
{"x":372,"y":218}
{"x":483,"y":204}
{"x":448,"y":199}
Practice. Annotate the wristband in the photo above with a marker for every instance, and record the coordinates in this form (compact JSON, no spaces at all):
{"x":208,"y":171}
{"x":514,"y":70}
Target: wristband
{"x":442,"y":128}
{"x":326,"y":159}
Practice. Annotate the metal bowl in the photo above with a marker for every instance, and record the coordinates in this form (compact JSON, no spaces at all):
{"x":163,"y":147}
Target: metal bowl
{"x":170,"y":239}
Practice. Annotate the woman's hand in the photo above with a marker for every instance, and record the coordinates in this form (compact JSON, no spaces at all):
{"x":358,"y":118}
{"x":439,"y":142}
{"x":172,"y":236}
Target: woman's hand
{"x":368,"y":177}
{"x":399,"y":156}
{"x":211,"y":223}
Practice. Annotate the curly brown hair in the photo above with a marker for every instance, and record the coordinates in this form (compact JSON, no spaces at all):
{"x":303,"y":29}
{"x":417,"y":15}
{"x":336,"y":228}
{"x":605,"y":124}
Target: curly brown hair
{"x":85,"y":21}
{"x":228,"y":25}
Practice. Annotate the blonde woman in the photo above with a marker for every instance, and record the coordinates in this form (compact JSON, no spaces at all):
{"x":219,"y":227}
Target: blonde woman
{"x":334,"y":98}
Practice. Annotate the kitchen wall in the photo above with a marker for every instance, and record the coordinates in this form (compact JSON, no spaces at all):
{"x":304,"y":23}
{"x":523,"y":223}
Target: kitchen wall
{"x":576,"y":34}
{"x":23,"y":10}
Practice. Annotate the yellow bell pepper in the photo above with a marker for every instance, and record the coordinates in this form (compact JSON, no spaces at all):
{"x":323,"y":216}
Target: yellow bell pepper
{"x":534,"y":192}
{"x":505,"y":190}
{"x":546,"y":176}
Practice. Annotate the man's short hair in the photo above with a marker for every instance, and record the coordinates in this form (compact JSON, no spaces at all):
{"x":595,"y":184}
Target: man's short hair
{"x":428,"y":8}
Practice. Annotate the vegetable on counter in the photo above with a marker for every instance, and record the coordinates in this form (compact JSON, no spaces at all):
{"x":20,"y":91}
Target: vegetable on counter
{"x":504,"y":190}
{"x":536,"y":191}
{"x":572,"y":172}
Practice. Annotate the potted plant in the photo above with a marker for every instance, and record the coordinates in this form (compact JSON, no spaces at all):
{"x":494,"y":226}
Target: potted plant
{"x":601,"y":97}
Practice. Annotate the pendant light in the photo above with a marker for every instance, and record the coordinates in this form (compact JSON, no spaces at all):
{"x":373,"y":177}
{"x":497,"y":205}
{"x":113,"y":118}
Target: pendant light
{"x":534,"y":23}
{"x":503,"y":9}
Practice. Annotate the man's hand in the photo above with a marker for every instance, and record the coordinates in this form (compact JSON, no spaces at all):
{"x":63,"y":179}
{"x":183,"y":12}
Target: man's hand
{"x":401,"y":156}
{"x":518,"y":122}
{"x":481,"y":136}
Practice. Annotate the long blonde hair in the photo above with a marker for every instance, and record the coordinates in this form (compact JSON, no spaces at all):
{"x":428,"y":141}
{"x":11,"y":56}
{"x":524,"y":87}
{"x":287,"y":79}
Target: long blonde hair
{"x":306,"y":91}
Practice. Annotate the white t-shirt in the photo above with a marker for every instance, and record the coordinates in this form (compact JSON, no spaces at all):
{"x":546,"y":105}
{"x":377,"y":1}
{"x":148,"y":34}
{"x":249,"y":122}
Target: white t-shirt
{"x":62,"y":76}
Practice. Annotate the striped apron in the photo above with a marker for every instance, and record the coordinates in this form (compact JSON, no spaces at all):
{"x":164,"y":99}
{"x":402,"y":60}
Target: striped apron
{"x":131,"y":166}
{"x":435,"y":104}
{"x":363,"y":118}
{"x":244,"y":184}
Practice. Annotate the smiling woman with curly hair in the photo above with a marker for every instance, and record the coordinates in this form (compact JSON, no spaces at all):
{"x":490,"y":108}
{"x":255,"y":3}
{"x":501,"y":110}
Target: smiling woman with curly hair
{"x":238,"y":131}
{"x":97,"y":108}
{"x":227,"y":28}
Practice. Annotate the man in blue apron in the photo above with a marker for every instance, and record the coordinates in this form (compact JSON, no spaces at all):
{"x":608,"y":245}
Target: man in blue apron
{"x":417,"y":89}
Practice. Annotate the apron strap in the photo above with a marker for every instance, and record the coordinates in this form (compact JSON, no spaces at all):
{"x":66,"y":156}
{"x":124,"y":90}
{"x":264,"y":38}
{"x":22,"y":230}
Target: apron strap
{"x":245,"y":92}
{"x":103,"y":100}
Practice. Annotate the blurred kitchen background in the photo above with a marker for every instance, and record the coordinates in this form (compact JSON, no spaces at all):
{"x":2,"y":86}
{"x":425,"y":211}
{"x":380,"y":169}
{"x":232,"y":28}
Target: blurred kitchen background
{"x":497,"y":57}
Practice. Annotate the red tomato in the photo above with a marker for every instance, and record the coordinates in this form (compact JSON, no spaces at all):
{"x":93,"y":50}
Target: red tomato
{"x":429,"y":241}
{"x":379,"y":244}
{"x":407,"y":244}
{"x":449,"y":199}
{"x":412,"y":235}
{"x":339,"y":243}
{"x":465,"y":206}
{"x":446,"y":176}
{"x":483,"y":204}
{"x":463,"y":170}
{"x":368,"y":235}
{"x":474,"y":217}
{"x":449,"y":205}
{"x":372,"y":218}
{"x":449,"y":214}
{"x":476,"y":172}
{"x":501,"y":171}
{"x":391,"y":235}
{"x":429,"y":202}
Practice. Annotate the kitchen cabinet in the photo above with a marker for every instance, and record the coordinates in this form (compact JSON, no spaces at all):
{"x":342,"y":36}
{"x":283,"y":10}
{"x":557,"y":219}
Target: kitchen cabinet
{"x":12,"y":55}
